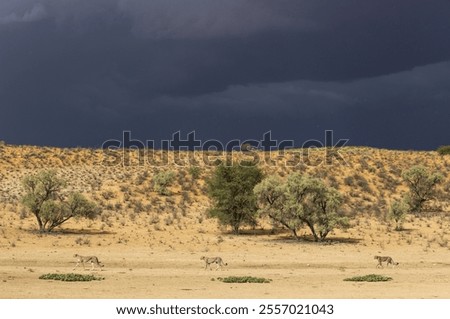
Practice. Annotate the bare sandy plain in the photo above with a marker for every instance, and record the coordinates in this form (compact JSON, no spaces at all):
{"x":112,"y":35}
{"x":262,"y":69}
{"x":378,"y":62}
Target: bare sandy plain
{"x":166,"y":263}
{"x":146,"y":256}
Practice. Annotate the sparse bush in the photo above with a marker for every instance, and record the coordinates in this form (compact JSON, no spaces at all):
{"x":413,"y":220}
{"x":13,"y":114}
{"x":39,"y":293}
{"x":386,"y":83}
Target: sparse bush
{"x":185,"y":196}
{"x":168,"y":221}
{"x":349,"y":181}
{"x":195,"y":172}
{"x":70,"y":277}
{"x":333,"y":181}
{"x":141,"y":178}
{"x":397,"y":212}
{"x":443,"y":242}
{"x":125,"y":189}
{"x":154,"y":219}
{"x":444,"y":150}
{"x":138,"y":206}
{"x":23,"y":213}
{"x":422,"y":186}
{"x":248,"y":147}
{"x":108,"y":195}
{"x":369,"y":278}
{"x":162,"y":181}
{"x":362,"y":182}
{"x":82,"y":241}
{"x":244,"y":279}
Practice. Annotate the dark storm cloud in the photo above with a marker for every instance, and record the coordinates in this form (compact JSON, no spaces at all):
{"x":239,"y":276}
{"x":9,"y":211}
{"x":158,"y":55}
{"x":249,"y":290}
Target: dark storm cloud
{"x":196,"y":19}
{"x":405,"y":108}
{"x":80,"y":71}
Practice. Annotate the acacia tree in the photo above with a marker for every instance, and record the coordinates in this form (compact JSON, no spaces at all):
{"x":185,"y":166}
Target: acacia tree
{"x":301,"y":200}
{"x":320,"y":209}
{"x":271,"y":195}
{"x":397,"y":211}
{"x":422,"y":186}
{"x":45,"y":201}
{"x":231,"y":189}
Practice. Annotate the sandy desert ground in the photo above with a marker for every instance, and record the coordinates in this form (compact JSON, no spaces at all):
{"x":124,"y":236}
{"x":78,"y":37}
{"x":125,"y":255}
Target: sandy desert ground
{"x":151,"y":245}
{"x":166,"y":264}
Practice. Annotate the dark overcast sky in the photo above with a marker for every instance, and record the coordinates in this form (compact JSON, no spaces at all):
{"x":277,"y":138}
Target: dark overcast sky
{"x":79,"y":72}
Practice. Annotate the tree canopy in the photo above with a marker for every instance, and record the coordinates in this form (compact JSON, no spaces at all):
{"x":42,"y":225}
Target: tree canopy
{"x":231,"y":189}
{"x":45,"y":199}
{"x":422,"y":186}
{"x":301,"y":200}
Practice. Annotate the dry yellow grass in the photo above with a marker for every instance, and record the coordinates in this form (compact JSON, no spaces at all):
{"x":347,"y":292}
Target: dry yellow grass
{"x":151,"y":245}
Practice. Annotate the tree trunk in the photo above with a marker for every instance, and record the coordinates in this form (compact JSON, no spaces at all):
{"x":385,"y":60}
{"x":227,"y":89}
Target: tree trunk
{"x":57,"y":223}
{"x":292,"y":229}
{"x":313,"y":231}
{"x":39,"y":221}
{"x":294,"y":232}
{"x":323,"y":235}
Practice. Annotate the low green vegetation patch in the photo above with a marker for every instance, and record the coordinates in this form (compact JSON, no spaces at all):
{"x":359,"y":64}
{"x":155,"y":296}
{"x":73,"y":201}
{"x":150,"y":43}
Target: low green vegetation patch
{"x":444,"y":150}
{"x":369,"y":278}
{"x":70,"y":277}
{"x":244,"y":279}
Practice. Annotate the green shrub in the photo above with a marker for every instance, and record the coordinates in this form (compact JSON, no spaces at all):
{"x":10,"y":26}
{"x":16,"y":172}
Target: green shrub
{"x":444,"y":150}
{"x":397,"y":212}
{"x":70,"y":277}
{"x":195,"y":172}
{"x":369,"y":278}
{"x":162,"y":181}
{"x":244,"y":279}
{"x":422,"y":184}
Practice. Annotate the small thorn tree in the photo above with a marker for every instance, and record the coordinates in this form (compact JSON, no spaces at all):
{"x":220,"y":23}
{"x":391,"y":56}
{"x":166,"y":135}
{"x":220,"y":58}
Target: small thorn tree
{"x":231,"y":190}
{"x":301,"y":200}
{"x":422,"y":186}
{"x":397,"y":212}
{"x":46,"y":202}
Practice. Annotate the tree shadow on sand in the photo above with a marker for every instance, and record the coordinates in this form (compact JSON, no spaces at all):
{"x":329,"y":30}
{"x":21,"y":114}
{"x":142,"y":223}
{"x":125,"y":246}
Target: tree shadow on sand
{"x":72,"y":232}
{"x":285,"y":236}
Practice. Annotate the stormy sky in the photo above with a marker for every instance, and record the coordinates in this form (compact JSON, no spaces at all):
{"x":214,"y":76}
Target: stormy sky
{"x":79,"y":72}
